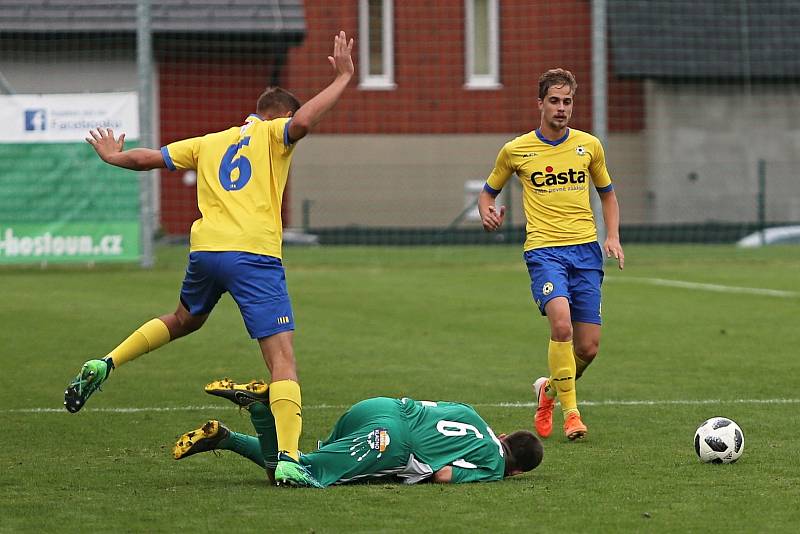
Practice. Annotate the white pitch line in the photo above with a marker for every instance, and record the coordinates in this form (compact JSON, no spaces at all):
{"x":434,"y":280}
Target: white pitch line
{"x":666,"y":402}
{"x":687,"y":402}
{"x":707,"y":287}
{"x":154,"y":409}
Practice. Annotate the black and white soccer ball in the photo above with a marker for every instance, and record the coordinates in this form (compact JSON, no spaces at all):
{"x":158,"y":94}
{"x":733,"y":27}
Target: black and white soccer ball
{"x":719,"y":440}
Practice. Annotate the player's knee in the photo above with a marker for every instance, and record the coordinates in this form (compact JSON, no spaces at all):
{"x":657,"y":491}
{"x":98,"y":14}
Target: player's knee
{"x":586,"y":350}
{"x":182,"y":325}
{"x":561,"y":330}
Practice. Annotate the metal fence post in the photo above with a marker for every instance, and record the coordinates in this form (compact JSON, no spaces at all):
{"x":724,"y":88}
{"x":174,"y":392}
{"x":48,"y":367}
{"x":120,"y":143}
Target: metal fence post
{"x":144,"y":63}
{"x":599,"y":99}
{"x":762,"y":200}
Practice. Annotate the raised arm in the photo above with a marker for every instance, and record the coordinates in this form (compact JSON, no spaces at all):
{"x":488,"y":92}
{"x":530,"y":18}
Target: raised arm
{"x":111,"y":151}
{"x":312,"y":111}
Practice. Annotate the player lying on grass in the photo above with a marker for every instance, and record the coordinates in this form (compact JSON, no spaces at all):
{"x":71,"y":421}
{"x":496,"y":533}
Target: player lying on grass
{"x":414,"y":441}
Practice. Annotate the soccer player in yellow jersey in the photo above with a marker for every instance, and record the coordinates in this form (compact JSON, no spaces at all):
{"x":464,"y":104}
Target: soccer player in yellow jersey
{"x":236,"y":243}
{"x":556,"y":165}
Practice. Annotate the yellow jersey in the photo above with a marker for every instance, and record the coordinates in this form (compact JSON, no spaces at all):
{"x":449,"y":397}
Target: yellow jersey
{"x":555,"y":178}
{"x":241,"y":175}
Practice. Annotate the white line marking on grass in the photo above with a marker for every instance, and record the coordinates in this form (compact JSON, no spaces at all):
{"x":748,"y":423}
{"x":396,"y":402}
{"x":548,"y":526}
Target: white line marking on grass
{"x":652,"y":402}
{"x":154,"y":409}
{"x":665,"y":402}
{"x":706,"y":287}
{"x":116,"y":410}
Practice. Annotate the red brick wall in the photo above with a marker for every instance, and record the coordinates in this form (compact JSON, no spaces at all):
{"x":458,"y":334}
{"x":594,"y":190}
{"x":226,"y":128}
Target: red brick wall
{"x":200,"y":93}
{"x":429,"y":69}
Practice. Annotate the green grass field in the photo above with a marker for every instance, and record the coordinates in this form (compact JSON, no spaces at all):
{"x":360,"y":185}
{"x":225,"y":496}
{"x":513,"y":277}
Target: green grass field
{"x":682,"y":341}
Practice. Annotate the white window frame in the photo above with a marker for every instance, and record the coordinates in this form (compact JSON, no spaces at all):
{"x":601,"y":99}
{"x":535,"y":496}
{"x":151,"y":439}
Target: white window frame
{"x":369,"y":81}
{"x":482,"y":81}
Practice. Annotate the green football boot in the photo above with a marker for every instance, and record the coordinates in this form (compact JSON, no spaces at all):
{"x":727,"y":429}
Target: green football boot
{"x":205,"y":438}
{"x":92,"y":375}
{"x":290,"y":473}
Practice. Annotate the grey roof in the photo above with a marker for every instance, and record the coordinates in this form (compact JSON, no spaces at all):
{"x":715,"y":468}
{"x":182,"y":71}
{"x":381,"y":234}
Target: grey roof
{"x":705,"y":38}
{"x":168,"y":16}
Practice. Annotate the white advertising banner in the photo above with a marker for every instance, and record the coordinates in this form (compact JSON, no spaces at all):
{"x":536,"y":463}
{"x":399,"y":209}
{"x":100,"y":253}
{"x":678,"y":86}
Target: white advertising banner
{"x":66,"y":117}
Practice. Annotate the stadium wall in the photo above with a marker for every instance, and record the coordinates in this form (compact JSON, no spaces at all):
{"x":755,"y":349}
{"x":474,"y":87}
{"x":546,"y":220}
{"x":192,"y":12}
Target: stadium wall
{"x":704,"y":141}
{"x":406,"y":181}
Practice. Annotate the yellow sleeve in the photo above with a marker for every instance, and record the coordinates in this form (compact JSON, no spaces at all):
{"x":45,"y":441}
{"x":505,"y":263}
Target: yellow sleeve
{"x":181,"y":154}
{"x":597,"y":168}
{"x":502,"y":171}
{"x":279,"y":136}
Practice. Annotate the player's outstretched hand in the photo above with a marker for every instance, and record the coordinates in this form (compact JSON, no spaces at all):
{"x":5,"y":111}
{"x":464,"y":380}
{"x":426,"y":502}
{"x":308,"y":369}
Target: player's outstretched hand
{"x":341,"y":60}
{"x":614,"y":248}
{"x":493,"y":219}
{"x":103,"y":142}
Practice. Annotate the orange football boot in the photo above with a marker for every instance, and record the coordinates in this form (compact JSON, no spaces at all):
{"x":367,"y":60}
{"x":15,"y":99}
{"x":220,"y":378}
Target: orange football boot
{"x":543,"y":421}
{"x":574,"y":427}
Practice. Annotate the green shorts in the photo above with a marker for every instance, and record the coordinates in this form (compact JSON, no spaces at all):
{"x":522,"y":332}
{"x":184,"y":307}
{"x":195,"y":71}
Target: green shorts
{"x":370,"y":440}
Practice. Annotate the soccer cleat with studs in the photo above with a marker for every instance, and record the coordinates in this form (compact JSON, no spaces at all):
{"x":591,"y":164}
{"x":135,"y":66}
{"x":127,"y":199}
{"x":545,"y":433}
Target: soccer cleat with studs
{"x":91,"y":376}
{"x":205,"y":438}
{"x":543,"y":420}
{"x":574,"y":427}
{"x":288,"y":472}
{"x":240,"y":394}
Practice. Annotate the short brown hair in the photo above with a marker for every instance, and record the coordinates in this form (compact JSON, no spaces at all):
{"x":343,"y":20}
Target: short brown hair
{"x":278,"y":99}
{"x":556,"y":78}
{"x":523,"y":451}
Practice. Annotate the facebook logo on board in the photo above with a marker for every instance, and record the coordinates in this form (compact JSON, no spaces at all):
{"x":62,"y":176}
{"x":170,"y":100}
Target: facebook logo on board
{"x":35,"y":120}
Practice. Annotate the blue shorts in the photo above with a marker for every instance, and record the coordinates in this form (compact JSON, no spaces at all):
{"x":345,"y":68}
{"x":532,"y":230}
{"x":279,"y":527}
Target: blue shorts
{"x":257,"y":283}
{"x":574,"y":272}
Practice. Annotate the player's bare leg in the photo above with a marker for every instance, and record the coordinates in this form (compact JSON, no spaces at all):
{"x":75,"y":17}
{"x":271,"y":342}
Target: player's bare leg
{"x":181,"y":323}
{"x":585,"y":343}
{"x":278,"y":353}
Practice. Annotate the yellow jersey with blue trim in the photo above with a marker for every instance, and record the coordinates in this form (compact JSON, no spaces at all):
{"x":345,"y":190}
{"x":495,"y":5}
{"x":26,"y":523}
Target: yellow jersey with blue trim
{"x":241,"y":176}
{"x":555,"y":177}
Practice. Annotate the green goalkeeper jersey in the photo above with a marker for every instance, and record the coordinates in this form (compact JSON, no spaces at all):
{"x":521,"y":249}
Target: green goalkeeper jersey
{"x":410,"y":439}
{"x":451,"y":433}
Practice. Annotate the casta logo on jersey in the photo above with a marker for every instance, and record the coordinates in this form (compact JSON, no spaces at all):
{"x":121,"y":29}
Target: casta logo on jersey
{"x":571,"y":176}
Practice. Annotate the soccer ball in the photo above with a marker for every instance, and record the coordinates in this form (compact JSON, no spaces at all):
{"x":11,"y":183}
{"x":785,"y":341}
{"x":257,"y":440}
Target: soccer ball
{"x":719,"y":440}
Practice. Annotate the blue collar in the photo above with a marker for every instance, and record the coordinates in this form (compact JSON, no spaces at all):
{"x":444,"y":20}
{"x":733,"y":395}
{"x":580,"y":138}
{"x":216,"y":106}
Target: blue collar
{"x":557,"y":142}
